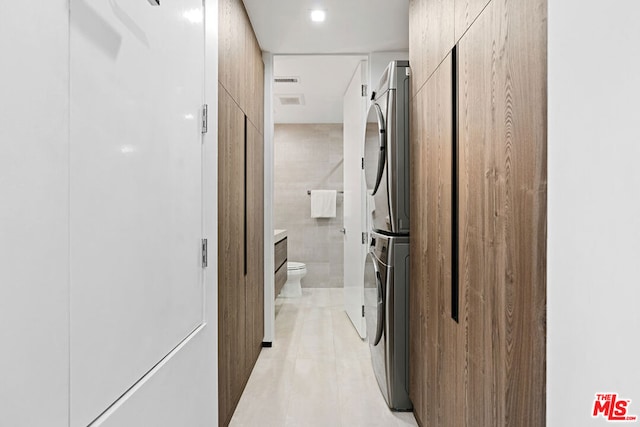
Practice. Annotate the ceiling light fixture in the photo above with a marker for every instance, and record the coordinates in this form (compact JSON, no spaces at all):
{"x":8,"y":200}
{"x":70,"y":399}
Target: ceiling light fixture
{"x":318,"y":15}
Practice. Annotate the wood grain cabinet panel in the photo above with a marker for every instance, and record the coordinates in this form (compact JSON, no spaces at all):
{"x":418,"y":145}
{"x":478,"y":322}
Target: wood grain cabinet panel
{"x":232,"y":48}
{"x":432,"y":35}
{"x":487,"y":369}
{"x":241,"y":204}
{"x":502,"y":125}
{"x":254,"y":280}
{"x":241,"y":251}
{"x":226,"y":54}
{"x":437,"y":347}
{"x":254,"y":79}
{"x":466,"y":11}
{"x":231,"y":282}
{"x":241,"y":69}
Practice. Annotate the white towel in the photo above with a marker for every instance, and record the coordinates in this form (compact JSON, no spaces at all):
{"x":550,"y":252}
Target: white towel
{"x":323,"y":203}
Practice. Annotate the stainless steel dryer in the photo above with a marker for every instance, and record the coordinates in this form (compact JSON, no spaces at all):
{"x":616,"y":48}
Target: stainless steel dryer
{"x":386,"y":162}
{"x":387,"y":316}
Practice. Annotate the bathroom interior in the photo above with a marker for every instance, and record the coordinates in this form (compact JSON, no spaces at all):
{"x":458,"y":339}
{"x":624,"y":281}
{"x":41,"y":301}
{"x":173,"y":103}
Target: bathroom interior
{"x":309,"y":156}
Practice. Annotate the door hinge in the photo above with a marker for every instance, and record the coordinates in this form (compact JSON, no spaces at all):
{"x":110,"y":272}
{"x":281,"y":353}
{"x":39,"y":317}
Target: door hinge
{"x":363,"y":311}
{"x":362,"y":164}
{"x":205,"y":254}
{"x":363,"y":89}
{"x":205,"y":118}
{"x":364,"y":238}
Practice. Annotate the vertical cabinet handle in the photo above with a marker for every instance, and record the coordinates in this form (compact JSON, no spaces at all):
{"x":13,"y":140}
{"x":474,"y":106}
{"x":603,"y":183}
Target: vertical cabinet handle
{"x":455,"y":289}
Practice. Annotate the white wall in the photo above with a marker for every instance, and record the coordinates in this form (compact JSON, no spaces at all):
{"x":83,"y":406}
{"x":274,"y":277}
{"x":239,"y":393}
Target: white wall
{"x":594,"y":207}
{"x":34,"y":207}
{"x":34,"y":239}
{"x":269,"y":255}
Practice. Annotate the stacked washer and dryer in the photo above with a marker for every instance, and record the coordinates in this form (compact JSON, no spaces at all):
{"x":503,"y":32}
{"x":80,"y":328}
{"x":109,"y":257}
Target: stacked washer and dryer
{"x":386,"y":167}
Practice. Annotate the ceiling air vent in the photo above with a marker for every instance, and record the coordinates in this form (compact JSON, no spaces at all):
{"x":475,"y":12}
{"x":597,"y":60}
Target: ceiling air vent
{"x":286,"y":80}
{"x":291,"y":99}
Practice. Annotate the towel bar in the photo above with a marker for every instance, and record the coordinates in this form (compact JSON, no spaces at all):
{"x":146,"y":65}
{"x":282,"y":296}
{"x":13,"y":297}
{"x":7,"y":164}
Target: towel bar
{"x":339,"y":192}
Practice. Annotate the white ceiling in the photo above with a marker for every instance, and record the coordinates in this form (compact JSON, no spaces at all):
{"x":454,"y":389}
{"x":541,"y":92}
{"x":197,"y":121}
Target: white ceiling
{"x":354,"y":27}
{"x":323,"y":81}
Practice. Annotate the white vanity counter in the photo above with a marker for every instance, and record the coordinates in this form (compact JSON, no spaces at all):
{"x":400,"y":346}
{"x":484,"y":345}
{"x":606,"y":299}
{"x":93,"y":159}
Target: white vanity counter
{"x":279,"y":235}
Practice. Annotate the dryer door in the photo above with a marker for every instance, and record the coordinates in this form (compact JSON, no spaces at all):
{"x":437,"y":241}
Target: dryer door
{"x":375,"y":148}
{"x":375,"y":167}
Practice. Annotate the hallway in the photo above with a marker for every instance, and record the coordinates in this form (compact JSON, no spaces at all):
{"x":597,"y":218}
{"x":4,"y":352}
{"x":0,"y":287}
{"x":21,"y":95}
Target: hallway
{"x":318,"y":372}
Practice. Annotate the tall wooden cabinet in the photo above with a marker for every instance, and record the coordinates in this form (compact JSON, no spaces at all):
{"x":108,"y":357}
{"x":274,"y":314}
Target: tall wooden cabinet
{"x":478,"y":173}
{"x":241,"y":204}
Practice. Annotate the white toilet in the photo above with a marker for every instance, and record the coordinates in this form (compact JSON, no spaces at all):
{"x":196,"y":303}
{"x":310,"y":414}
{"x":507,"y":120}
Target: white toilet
{"x":295,"y":272}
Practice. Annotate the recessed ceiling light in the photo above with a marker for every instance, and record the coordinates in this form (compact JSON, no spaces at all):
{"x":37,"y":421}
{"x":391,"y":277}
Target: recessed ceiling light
{"x":318,"y":15}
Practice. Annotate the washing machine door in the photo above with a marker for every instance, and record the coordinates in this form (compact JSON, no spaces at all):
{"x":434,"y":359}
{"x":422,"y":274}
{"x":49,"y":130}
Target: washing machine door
{"x":375,"y":275}
{"x":374,"y":299}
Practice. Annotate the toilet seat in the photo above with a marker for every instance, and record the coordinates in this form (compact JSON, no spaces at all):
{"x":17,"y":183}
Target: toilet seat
{"x":292,"y":266}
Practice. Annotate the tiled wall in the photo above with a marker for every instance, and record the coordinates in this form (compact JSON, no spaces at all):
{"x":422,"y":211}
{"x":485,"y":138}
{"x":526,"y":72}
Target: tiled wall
{"x":308,"y":157}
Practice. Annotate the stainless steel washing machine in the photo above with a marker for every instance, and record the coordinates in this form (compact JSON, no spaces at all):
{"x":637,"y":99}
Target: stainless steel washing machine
{"x":387,"y":316}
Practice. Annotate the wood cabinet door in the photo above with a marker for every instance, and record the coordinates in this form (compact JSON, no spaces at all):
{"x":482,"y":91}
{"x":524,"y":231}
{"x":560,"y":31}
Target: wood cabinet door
{"x":232,"y":49}
{"x":502,"y":174}
{"x":253,"y":69}
{"x":431,"y":29}
{"x":466,"y":11}
{"x":231,"y":229}
{"x":255,"y":246}
{"x":437,"y":347}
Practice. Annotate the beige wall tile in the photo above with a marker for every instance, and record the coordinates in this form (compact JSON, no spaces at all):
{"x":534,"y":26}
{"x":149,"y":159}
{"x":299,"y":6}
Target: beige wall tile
{"x":307,"y":157}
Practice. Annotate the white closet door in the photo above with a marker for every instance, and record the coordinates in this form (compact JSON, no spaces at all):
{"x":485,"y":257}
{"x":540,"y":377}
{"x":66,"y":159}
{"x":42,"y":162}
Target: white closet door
{"x":135,"y":191}
{"x":355,"y":109}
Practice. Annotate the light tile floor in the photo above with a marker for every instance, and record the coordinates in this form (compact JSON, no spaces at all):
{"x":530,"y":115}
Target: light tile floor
{"x":318,"y":372}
